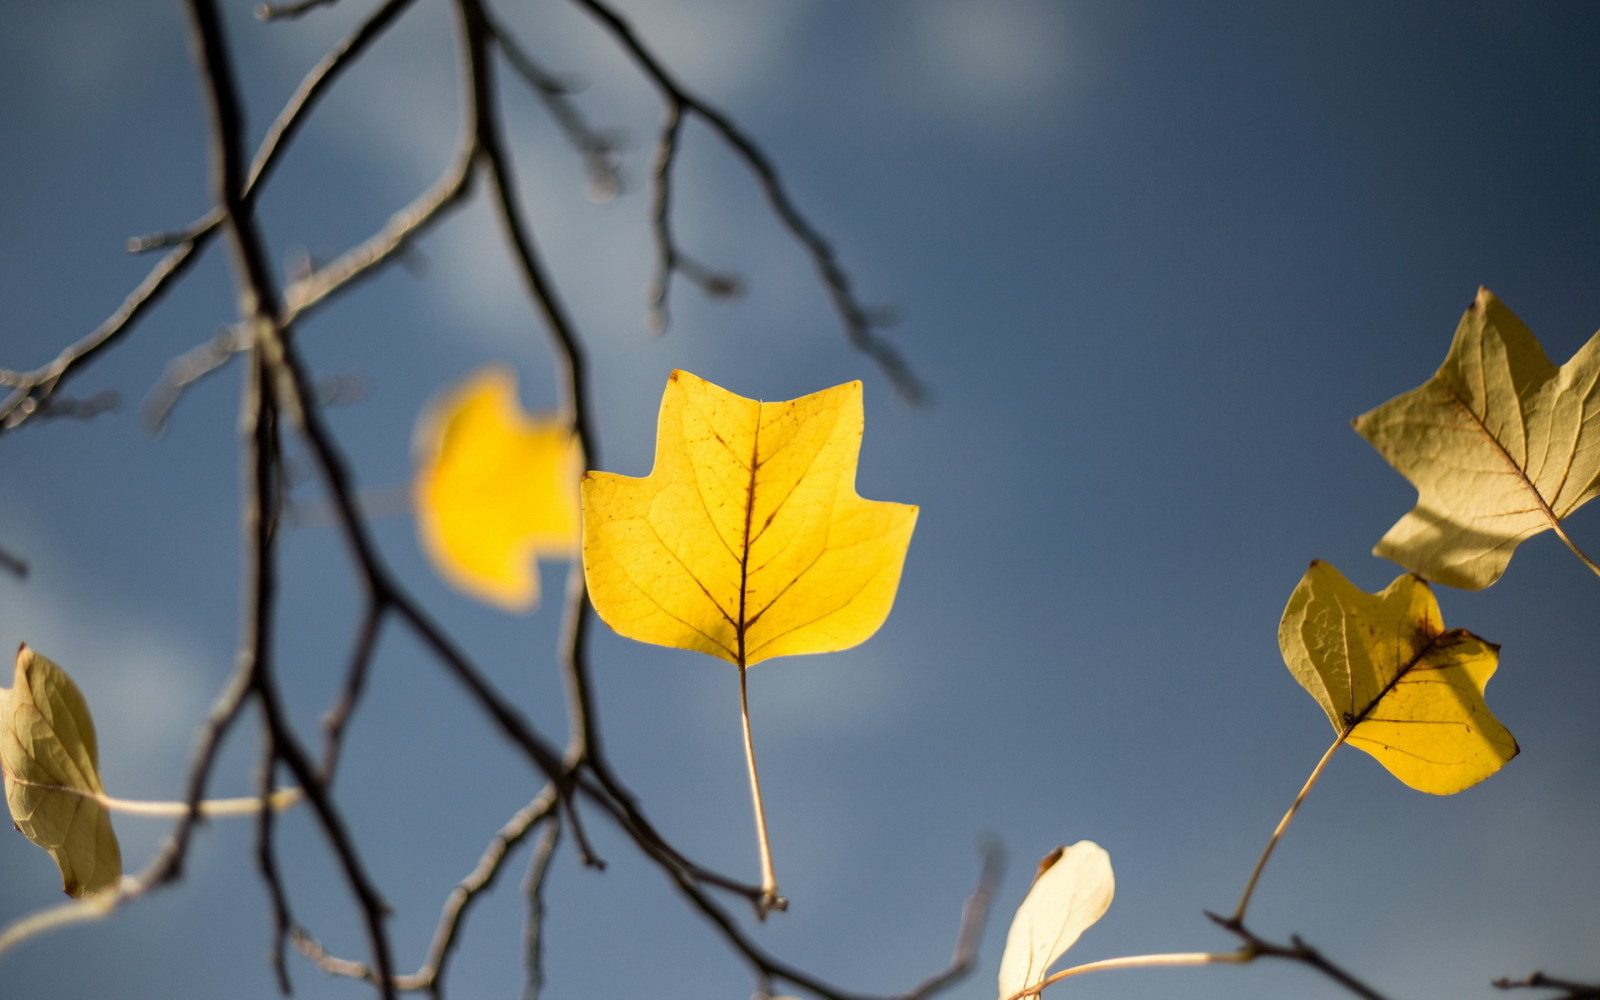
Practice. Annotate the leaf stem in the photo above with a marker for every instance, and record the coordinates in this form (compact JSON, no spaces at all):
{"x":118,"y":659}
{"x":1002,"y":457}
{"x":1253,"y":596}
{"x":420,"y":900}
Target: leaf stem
{"x":249,"y":805}
{"x":770,"y":900}
{"x":1240,"y":957}
{"x":1283,"y":824}
{"x":1567,"y":540}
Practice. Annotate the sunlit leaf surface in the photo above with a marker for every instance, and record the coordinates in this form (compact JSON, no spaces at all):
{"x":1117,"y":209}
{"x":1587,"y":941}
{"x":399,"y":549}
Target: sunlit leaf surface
{"x":1071,"y":891}
{"x":1388,"y":674}
{"x":747,"y":540}
{"x":48,"y":750}
{"x":1500,"y":443}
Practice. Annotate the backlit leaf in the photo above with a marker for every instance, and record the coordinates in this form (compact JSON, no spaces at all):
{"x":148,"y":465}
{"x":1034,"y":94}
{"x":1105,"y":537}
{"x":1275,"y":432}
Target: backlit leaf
{"x":495,"y":490}
{"x":52,"y":774}
{"x":1071,"y":891}
{"x":1394,"y":681}
{"x":747,"y":540}
{"x":1500,"y":443}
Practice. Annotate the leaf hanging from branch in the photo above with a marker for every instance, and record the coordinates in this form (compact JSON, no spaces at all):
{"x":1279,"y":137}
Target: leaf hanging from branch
{"x":1500,"y":443}
{"x":1072,"y":890}
{"x":747,"y":540}
{"x":52,"y":774}
{"x":1392,"y":680}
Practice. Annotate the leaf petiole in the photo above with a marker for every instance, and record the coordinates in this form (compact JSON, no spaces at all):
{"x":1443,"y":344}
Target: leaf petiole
{"x":1182,"y":958}
{"x":770,"y":900}
{"x":280,"y":800}
{"x":1283,"y":824}
{"x":1566,"y":540}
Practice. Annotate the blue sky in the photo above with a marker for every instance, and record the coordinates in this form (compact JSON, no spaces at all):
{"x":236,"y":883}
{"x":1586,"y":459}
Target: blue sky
{"x":1151,"y":259}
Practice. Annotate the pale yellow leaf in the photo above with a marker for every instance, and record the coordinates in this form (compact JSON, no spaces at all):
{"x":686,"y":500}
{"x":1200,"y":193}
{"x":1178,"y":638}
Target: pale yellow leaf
{"x":495,"y":490}
{"x":747,"y":540}
{"x":1394,"y":681}
{"x":52,"y":774}
{"x":1072,"y":890}
{"x":1500,"y":443}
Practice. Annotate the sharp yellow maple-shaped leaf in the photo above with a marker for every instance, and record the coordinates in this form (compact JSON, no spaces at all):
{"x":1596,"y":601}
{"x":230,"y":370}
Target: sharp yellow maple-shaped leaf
{"x":495,"y":490}
{"x":1393,"y":681}
{"x":1071,"y":891}
{"x":52,"y":774}
{"x":1500,"y":443}
{"x":747,"y":540}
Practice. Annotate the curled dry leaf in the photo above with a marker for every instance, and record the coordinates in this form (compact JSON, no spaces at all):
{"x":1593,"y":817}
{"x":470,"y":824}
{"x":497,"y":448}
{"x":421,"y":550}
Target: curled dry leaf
{"x":1071,"y":891}
{"x":52,"y":774}
{"x":748,"y":539}
{"x":1500,"y":443}
{"x":1393,"y":681}
{"x":495,"y":490}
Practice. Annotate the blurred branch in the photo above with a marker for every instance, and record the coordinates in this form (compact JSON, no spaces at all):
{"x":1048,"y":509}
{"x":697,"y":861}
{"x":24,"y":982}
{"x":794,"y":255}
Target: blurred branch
{"x":1570,"y":990}
{"x":286,"y":11}
{"x":598,"y":151}
{"x":33,"y":389}
{"x":13,"y":564}
{"x":860,"y":323}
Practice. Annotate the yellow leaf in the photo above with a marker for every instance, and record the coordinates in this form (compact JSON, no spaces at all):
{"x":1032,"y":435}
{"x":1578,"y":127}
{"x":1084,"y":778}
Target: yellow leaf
{"x":1072,"y":890}
{"x":52,"y":774}
{"x":495,"y":490}
{"x":747,"y":540}
{"x":1393,"y":681}
{"x":1500,"y":443}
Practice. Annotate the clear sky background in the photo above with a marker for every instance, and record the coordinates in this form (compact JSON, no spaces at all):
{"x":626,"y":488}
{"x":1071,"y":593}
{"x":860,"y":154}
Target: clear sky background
{"x":1151,"y":257}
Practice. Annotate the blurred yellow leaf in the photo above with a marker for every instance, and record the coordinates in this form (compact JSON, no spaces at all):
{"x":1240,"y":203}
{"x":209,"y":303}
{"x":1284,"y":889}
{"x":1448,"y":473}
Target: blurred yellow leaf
{"x":747,"y":540}
{"x":1393,"y":681}
{"x":1500,"y":443}
{"x":52,"y":774}
{"x":495,"y":490}
{"x":1072,"y":890}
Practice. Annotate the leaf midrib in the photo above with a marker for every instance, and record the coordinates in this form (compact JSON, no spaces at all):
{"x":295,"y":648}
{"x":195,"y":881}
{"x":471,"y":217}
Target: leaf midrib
{"x":1517,"y":470}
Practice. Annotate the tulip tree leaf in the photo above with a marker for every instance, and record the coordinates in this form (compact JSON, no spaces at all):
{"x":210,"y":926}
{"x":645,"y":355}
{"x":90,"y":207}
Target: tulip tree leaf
{"x":747,"y":540}
{"x":495,"y":490}
{"x":1500,"y":443}
{"x":1072,"y":890}
{"x":52,"y":774}
{"x":1392,"y":680}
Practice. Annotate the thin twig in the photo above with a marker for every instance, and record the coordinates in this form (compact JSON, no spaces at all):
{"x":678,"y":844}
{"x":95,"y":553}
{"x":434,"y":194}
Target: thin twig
{"x":598,"y":151}
{"x":533,"y":926}
{"x":32,"y":389}
{"x":1297,"y":950}
{"x":860,"y":323}
{"x":282,"y":11}
{"x":13,"y":564}
{"x":1571,"y":990}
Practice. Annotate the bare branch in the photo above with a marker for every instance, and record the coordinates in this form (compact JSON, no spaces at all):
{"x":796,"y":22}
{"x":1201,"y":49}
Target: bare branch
{"x":860,"y":322}
{"x":1297,"y":950}
{"x":1570,"y":990}
{"x":284,"y":11}
{"x":598,"y":150}
{"x":14,"y":564}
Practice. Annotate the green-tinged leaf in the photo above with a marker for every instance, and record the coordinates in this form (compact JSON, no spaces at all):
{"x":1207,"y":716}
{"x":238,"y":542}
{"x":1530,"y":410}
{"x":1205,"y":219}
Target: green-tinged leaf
{"x":495,"y":490}
{"x":1072,"y":890}
{"x":747,"y":540}
{"x":52,"y":774}
{"x":1500,"y":443}
{"x":1393,"y":681}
